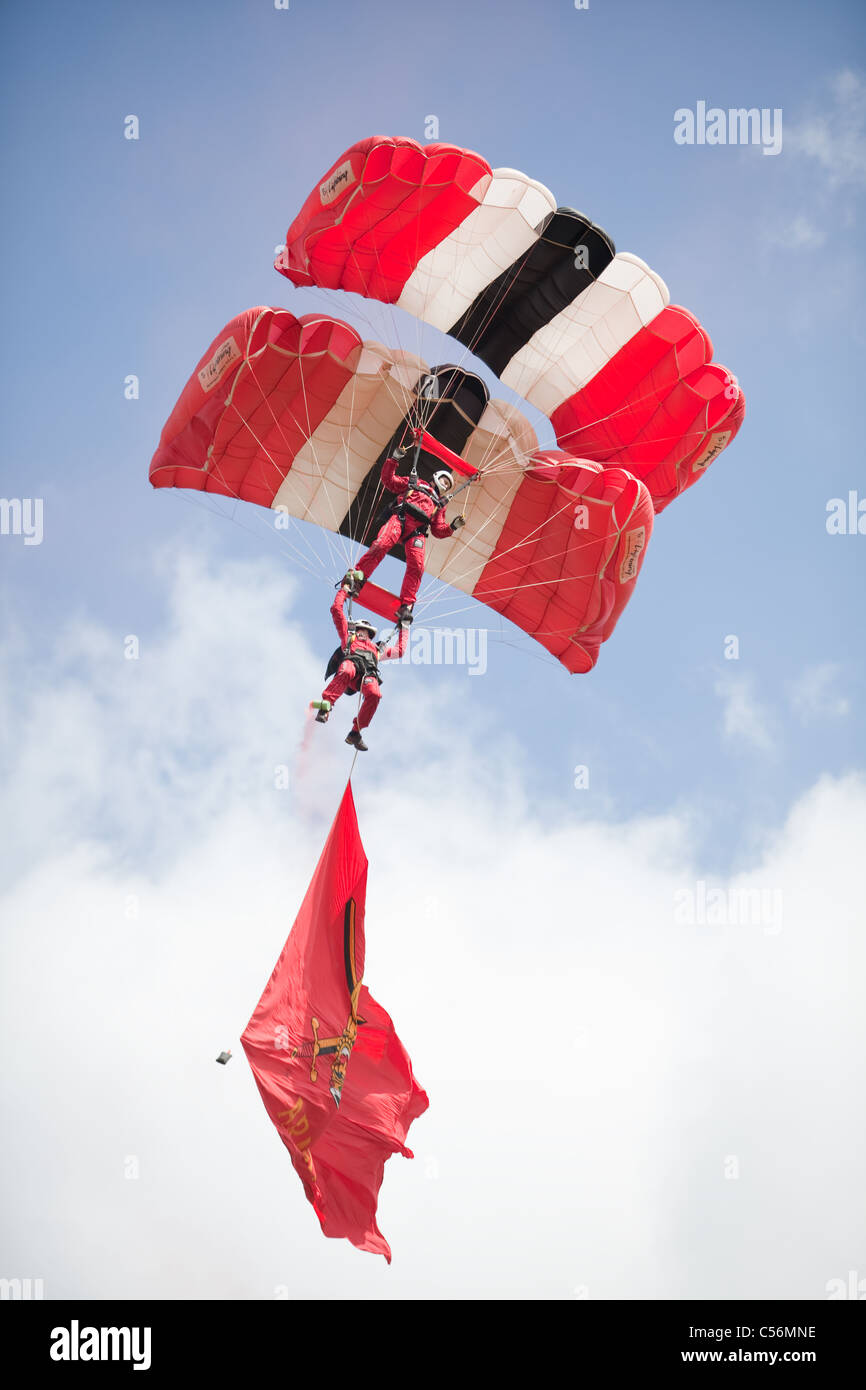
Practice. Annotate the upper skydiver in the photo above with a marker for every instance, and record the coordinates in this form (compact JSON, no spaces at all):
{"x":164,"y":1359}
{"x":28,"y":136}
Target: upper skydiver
{"x":419,"y":508}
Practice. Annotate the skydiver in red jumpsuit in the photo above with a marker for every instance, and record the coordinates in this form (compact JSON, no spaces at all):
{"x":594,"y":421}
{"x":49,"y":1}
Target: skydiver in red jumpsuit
{"x":358,"y":670}
{"x":419,"y":508}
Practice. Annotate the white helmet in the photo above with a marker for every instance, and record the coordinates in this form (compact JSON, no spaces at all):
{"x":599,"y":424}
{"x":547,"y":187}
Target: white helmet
{"x":444,"y":481}
{"x":363,"y":623}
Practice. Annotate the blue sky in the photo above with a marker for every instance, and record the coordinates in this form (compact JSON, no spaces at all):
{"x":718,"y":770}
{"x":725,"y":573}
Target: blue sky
{"x":131,"y":255}
{"x":127,"y":257}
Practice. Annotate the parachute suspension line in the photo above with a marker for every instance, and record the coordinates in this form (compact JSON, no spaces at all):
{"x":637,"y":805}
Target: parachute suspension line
{"x":344,"y":436}
{"x":426,"y":403}
{"x":509,"y":589}
{"x":373,"y":510}
{"x":398,"y":334}
{"x":622,"y":409}
{"x":454,"y":580}
{"x":462,"y":488}
{"x":260,"y":443}
{"x":413,"y":471}
{"x":467,"y":348}
{"x":529,"y":650}
{"x":422,"y":408}
{"x":341,"y":548}
{"x":495,"y":305}
{"x":236,"y":497}
{"x":196,"y":499}
{"x":599,"y":419}
{"x":280,"y":430}
{"x":502,"y":468}
{"x":449,"y":581}
{"x":479,"y":532}
{"x":360,"y":310}
{"x":305,"y":425}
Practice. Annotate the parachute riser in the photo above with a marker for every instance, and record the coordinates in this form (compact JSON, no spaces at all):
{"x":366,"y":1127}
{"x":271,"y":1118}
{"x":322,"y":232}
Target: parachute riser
{"x":413,"y":472}
{"x":461,"y":488}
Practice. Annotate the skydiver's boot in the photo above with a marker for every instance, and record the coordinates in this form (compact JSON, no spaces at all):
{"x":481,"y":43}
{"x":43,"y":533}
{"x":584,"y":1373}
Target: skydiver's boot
{"x":404,"y":613}
{"x":354,"y":738}
{"x":353,"y":581}
{"x":324,"y":709}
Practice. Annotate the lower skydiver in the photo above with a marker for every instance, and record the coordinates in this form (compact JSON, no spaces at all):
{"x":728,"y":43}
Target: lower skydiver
{"x":354,"y":667}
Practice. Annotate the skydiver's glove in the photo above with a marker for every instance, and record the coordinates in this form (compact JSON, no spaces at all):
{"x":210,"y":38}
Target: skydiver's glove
{"x":399,"y":453}
{"x":458,"y":522}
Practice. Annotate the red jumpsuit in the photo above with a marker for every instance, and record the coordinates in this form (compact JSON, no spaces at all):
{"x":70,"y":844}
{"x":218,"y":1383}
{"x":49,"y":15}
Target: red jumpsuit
{"x":406,"y":528}
{"x":346,"y":676}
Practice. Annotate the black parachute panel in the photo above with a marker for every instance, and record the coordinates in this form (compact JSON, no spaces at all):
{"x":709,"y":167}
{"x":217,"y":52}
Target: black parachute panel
{"x":570,"y":253}
{"x":450,"y":414}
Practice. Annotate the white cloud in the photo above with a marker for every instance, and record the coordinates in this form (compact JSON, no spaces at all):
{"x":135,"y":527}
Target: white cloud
{"x":827,"y":167}
{"x":814,"y":696}
{"x":592,"y":1061}
{"x":798,"y":234}
{"x":835,"y":139}
{"x":745,"y":721}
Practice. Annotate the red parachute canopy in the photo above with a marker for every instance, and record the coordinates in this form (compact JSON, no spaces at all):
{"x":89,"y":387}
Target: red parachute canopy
{"x":535,"y":290}
{"x":296,"y":414}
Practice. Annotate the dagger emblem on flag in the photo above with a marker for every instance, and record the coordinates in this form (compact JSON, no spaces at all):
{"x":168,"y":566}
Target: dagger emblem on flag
{"x":340,"y":1047}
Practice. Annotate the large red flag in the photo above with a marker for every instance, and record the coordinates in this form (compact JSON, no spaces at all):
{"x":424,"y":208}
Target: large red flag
{"x":334,"y":1077}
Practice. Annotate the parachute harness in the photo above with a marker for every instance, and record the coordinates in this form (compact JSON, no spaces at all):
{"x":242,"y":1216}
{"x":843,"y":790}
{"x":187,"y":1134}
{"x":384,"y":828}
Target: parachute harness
{"x":413,"y":474}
